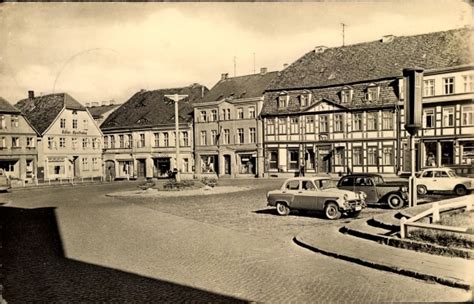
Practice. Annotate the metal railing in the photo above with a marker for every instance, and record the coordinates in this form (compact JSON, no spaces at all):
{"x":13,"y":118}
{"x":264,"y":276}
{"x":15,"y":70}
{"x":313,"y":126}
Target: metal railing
{"x":435,"y":210}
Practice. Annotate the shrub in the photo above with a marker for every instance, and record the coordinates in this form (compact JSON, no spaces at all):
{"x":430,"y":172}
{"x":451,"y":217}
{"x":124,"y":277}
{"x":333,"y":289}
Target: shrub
{"x":209,"y":181}
{"x":174,"y":185}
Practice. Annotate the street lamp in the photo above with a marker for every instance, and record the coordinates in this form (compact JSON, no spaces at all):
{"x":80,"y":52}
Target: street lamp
{"x":176,"y":98}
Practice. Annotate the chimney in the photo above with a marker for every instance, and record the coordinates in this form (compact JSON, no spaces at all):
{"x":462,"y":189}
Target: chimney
{"x":224,"y":76}
{"x":285,"y":65}
{"x":387,"y":38}
{"x":263,"y":71}
{"x":320,"y":49}
{"x":31,"y":94}
{"x":88,"y":104}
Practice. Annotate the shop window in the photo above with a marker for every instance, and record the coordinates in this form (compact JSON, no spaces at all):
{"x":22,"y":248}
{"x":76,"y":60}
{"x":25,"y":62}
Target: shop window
{"x":447,"y":153}
{"x":293,"y":159}
{"x":208,"y":163}
{"x":467,"y":156}
{"x":273,"y":160}
{"x":429,"y":118}
{"x":431,"y":154}
{"x":247,"y":164}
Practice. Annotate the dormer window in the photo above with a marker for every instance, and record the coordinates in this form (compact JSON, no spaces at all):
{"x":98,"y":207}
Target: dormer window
{"x":372,"y":93}
{"x":305,"y":98}
{"x":346,"y":95}
{"x":283,"y":100}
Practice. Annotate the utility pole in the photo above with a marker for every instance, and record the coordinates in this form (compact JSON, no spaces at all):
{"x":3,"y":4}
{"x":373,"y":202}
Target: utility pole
{"x":176,"y":98}
{"x":343,"y":28}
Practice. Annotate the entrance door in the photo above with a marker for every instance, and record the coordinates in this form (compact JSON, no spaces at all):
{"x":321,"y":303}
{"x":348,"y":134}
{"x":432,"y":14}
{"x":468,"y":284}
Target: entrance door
{"x":227,"y":164}
{"x":141,"y":168}
{"x":75,"y":166}
{"x":109,"y":170}
{"x":324,"y":160}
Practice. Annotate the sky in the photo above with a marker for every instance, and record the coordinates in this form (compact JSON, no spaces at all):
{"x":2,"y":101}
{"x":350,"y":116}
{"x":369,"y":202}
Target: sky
{"x":102,"y":51}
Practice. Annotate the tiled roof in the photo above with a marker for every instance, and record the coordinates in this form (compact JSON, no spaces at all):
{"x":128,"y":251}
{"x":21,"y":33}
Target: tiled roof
{"x":377,"y":60}
{"x":98,"y":111}
{"x":41,"y":111}
{"x":151,"y":108}
{"x":247,"y":86}
{"x":6,"y":107}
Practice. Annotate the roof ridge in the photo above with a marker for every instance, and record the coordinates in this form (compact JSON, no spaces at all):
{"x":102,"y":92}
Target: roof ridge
{"x":248,"y":75}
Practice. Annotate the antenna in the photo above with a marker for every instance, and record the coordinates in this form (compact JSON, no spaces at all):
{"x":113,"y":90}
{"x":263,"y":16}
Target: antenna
{"x":343,"y":28}
{"x":254,"y":63}
{"x":235,"y":66}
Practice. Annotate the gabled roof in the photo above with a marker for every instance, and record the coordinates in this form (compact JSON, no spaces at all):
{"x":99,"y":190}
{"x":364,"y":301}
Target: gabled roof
{"x":377,"y":60}
{"x":6,"y":107}
{"x":41,"y":111}
{"x":98,"y":111}
{"x":247,"y":86}
{"x":324,"y":101}
{"x":151,"y":108}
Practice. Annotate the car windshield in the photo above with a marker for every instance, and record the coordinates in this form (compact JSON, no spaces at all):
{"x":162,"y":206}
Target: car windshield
{"x":325,"y":183}
{"x":452,"y":173}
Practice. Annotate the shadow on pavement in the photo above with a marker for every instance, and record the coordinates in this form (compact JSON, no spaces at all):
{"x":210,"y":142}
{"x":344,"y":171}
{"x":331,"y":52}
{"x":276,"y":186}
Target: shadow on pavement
{"x":36,"y":270}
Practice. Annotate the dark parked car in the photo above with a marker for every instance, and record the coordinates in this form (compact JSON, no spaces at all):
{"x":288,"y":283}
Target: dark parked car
{"x":378,"y":191}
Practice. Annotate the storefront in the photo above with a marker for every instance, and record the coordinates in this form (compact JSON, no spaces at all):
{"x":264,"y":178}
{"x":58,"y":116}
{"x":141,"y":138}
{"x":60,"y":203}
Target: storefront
{"x":247,"y":163}
{"x":161,"y":166}
{"x":209,"y":164}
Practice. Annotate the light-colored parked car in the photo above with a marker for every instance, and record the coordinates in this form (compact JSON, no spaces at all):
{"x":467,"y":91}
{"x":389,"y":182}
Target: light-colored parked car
{"x":318,"y":194}
{"x":443,"y":179}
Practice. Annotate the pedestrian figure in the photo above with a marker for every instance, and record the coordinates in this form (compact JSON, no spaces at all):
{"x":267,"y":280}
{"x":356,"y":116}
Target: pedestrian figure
{"x":302,"y":170}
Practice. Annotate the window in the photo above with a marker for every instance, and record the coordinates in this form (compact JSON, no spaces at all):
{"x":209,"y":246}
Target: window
{"x":3,"y":142}
{"x":2,"y":122}
{"x":129,"y":141}
{"x":185,"y":138}
{"x":157,"y":139}
{"x":270,"y":126}
{"x":357,"y":156}
{"x":441,"y":174}
{"x":95,"y":164}
{"x":339,"y":157}
{"x":213,"y":115}
{"x":338,"y":123}
{"x":112,"y":141}
{"x":428,"y":174}
{"x":309,"y":120}
{"x":323,"y":124}
{"x":166,"y":139}
{"x":273,"y":159}
{"x":282,"y":125}
{"x":448,"y":85}
{"x":303,"y":99}
{"x":62,"y":142}
{"x":228,"y":114}
{"x":121,"y":141}
{"x":429,"y":87}
{"x":387,"y":155}
{"x":240,"y":113}
{"x":30,"y":142}
{"x":371,"y":120}
{"x":85,"y":124}
{"x":363,"y":181}
{"x":106,"y":142}
{"x":429,"y":118}
{"x":203,"y":116}
{"x":308,"y":185}
{"x":141,"y":143}
{"x":74,"y":123}
{"x":252,"y":135}
{"x":467,"y":112}
{"x":85,"y":164}
{"x":14,"y":121}
{"x":85,"y":143}
{"x":293,"y":185}
{"x":213,"y":137}
{"x":15,"y":142}
{"x":372,"y":93}
{"x":357,"y":122}
{"x":347,"y":181}
{"x":240,"y":136}
{"x":448,"y":117}
{"x":252,"y":112}
{"x":203,"y":138}
{"x":226,"y":136}
{"x":74,"y":143}
{"x":294,"y":129}
{"x":346,"y":96}
{"x":62,"y":123}
{"x":387,"y":120}
{"x":468,"y":83}
{"x":95,"y":143}
{"x":185,"y":165}
{"x":293,"y":159}
{"x":372,"y":155}
{"x":282,"y":101}
{"x":223,"y":115}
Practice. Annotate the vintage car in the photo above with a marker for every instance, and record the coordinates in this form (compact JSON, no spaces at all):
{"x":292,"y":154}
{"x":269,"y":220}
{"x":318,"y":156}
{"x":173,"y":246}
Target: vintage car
{"x":318,"y":194}
{"x":378,"y":191}
{"x":443,"y":179}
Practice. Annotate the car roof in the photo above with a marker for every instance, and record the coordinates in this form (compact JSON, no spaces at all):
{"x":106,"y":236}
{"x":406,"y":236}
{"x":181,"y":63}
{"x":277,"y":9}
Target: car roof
{"x":308,"y":177}
{"x":437,"y":169}
{"x":363,"y":174}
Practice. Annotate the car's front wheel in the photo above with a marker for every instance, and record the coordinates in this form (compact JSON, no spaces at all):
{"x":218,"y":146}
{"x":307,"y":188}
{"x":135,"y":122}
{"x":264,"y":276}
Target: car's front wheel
{"x":395,"y":201}
{"x":460,"y":190}
{"x":282,"y":208}
{"x":332,"y":211}
{"x":421,"y":190}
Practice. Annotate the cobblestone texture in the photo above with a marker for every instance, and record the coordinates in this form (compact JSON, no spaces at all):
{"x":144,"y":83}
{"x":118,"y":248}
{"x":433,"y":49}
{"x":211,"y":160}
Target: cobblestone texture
{"x":214,"y":248}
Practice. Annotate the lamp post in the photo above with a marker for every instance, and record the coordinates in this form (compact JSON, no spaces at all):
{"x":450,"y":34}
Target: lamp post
{"x":176,"y":98}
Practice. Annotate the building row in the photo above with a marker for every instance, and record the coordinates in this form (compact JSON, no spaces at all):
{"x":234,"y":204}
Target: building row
{"x":334,"y":110}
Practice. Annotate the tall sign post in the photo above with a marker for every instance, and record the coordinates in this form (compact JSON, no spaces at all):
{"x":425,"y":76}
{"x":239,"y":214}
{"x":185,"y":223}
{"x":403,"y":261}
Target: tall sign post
{"x":413,"y":81}
{"x":176,"y":98}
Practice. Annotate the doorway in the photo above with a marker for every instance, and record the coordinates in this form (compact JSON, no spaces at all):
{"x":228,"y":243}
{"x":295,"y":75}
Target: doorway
{"x":324,"y":159}
{"x":227,"y":165}
{"x":110,"y":170}
{"x":141,"y":169}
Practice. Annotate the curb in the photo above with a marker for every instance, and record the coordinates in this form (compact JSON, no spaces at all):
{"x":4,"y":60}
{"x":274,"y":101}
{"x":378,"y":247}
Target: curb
{"x":393,"y":269}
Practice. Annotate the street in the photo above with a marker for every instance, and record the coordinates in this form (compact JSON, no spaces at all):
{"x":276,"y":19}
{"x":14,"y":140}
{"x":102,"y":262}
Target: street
{"x":84,"y":246}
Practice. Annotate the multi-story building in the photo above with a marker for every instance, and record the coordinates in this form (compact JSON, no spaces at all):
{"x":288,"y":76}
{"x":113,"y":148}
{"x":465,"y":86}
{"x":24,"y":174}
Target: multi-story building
{"x":227,"y":131}
{"x":69,"y":140}
{"x":18,"y":154}
{"x":139,"y":137}
{"x":341,"y":109}
{"x":101,"y":112}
